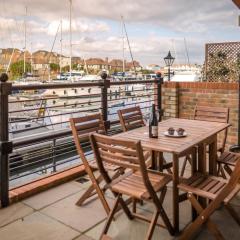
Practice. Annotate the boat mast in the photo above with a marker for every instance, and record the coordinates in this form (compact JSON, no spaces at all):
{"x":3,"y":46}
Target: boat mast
{"x":70,"y":39}
{"x":130,"y":50}
{"x":185,"y":43}
{"x":31,"y":60}
{"x":61,"y":49}
{"x":123,"y":47}
{"x":174,"y":49}
{"x":25,"y":41}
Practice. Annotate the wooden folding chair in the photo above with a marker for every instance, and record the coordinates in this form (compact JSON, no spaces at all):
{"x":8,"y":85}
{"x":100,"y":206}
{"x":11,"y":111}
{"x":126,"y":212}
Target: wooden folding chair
{"x":218,"y":191}
{"x":81,"y":128}
{"x":139,"y":182}
{"x":211,"y":114}
{"x":131,"y":118}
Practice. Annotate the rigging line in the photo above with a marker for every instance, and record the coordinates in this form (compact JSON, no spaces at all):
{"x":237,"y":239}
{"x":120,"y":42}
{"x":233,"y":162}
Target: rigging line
{"x":55,"y":37}
{"x":123,"y":46}
{"x":174,"y":49}
{"x":129,"y":46}
{"x":10,"y":60}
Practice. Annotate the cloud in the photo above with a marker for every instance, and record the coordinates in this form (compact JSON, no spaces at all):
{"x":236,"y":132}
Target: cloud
{"x":165,"y":13}
{"x":151,"y":26}
{"x":78,"y":26}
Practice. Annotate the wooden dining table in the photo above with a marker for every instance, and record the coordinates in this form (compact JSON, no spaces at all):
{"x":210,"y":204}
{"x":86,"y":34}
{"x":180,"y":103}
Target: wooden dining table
{"x":199,"y":133}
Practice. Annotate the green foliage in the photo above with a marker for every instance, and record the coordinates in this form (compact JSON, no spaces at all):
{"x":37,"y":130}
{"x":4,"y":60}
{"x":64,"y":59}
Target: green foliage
{"x":221,"y":68}
{"x":17,"y":69}
{"x":145,"y":71}
{"x":54,"y":67}
{"x":238,"y":64}
{"x":75,"y":66}
{"x":66,"y":68}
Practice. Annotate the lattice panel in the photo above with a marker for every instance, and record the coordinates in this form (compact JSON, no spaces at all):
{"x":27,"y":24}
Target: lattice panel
{"x":231,"y":51}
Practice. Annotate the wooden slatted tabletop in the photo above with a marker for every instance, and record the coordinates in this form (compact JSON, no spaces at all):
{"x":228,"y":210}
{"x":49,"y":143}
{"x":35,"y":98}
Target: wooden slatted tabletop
{"x":197,"y":132}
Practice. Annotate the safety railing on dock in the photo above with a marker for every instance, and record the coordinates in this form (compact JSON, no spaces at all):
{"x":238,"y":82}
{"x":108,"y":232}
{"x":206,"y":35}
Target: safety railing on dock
{"x":35,"y":134}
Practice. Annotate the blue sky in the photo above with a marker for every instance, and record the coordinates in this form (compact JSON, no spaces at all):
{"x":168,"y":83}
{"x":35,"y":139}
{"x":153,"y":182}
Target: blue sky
{"x":153,"y":26}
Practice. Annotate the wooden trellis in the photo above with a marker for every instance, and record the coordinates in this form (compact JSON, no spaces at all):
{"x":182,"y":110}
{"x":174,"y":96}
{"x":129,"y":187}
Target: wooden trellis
{"x":230,"y":49}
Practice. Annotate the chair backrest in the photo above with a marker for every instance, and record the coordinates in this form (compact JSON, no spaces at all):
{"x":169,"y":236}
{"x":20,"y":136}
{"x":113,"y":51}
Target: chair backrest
{"x":131,"y":118}
{"x":82,"y":127}
{"x":123,"y":153}
{"x":213,"y":114}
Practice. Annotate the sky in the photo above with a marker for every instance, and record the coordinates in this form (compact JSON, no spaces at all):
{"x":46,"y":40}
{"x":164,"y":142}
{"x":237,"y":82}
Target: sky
{"x":154,"y":27}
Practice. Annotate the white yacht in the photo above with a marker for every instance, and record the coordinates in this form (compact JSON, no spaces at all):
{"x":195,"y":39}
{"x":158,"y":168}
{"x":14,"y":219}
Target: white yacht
{"x":185,"y":73}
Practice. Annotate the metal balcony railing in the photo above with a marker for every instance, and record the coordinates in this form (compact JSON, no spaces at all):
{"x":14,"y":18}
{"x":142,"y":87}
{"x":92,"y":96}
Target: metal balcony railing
{"x":35,"y":136}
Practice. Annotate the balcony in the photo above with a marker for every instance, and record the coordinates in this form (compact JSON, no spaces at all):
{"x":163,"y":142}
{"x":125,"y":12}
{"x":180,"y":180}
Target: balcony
{"x":43,"y":185}
{"x":53,"y":215}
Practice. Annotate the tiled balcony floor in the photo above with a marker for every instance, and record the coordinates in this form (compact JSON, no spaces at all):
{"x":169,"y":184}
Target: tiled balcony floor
{"x":54,"y":215}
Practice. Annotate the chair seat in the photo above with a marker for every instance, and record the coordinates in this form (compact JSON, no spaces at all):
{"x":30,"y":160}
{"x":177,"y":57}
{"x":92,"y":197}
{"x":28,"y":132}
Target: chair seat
{"x":206,"y":186}
{"x":107,"y":166}
{"x":228,"y":158}
{"x":132,"y":184}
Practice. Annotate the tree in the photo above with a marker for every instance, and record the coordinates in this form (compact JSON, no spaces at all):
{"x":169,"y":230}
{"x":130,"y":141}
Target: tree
{"x":146,"y":71}
{"x":54,"y":67}
{"x":75,"y":66}
{"x":66,"y":68}
{"x":17,"y":68}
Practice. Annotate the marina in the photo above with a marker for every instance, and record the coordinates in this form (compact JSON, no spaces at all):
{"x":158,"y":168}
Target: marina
{"x":119,"y":120}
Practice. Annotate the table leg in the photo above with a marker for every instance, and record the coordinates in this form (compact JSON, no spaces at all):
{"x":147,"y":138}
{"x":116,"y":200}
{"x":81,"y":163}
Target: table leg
{"x":202,"y":167}
{"x":175,"y":194}
{"x":213,"y":156}
{"x":154,"y":160}
{"x":202,"y":162}
{"x":160,"y":162}
{"x":193,"y":171}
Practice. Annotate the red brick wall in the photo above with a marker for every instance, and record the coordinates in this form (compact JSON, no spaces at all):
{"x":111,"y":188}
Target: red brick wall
{"x":205,"y":94}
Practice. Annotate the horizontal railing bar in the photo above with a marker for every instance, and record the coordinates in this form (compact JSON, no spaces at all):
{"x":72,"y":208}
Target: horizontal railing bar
{"x":81,"y":84}
{"x":47,"y":150}
{"x":57,"y":85}
{"x":57,"y":106}
{"x":55,"y":115}
{"x":42,"y":137}
{"x":45,"y":168}
{"x":134,"y":103}
{"x":132,"y":82}
{"x":33,"y":100}
{"x":150,"y":95}
{"x":39,"y":161}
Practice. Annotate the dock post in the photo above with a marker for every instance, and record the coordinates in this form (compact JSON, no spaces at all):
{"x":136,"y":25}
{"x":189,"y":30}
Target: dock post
{"x":5,"y":144}
{"x":104,"y":99}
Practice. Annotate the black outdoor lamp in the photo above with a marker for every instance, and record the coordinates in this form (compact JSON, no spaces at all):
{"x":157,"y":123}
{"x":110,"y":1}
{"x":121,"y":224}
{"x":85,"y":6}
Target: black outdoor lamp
{"x":169,"y":59}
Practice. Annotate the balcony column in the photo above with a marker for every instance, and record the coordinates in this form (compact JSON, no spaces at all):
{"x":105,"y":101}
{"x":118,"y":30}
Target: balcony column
{"x":104,"y":99}
{"x":5,"y":144}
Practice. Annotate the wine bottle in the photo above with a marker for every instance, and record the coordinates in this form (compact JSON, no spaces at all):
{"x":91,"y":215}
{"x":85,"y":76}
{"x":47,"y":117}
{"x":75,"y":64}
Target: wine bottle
{"x":153,"y":124}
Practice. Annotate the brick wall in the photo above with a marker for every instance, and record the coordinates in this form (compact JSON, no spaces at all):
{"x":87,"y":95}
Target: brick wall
{"x":170,"y":100}
{"x":183,"y":97}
